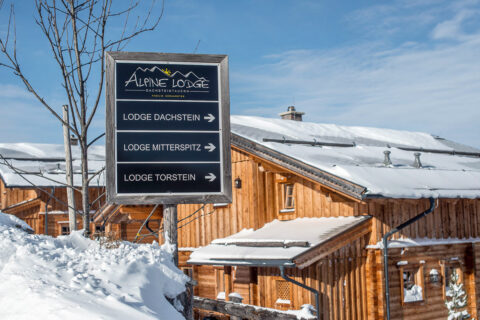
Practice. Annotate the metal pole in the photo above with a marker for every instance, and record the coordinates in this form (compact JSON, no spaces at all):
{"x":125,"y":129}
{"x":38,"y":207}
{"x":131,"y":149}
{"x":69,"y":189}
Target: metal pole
{"x":72,"y":219}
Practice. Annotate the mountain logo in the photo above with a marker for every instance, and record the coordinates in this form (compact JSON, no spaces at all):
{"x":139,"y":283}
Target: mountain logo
{"x":156,"y":77}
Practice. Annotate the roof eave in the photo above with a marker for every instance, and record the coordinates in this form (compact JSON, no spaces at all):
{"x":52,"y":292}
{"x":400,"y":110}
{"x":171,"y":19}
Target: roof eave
{"x":245,"y":262}
{"x":330,"y":245}
{"x":332,"y":181}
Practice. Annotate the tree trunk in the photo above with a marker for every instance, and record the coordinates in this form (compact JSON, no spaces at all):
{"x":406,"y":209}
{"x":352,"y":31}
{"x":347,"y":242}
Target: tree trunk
{"x":85,"y":195}
{"x":72,"y":218}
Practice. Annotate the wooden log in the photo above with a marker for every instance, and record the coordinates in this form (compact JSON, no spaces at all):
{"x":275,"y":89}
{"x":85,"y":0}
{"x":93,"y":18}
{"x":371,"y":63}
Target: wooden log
{"x":228,"y":281}
{"x":244,"y":311}
{"x":170,"y":228}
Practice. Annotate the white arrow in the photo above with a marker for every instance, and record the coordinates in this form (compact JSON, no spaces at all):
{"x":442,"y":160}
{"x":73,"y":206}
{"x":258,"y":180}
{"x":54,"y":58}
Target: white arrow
{"x":210,"y":117}
{"x":210,"y":147}
{"x":211,"y":177}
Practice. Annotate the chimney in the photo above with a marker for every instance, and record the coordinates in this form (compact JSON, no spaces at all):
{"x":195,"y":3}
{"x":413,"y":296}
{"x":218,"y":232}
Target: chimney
{"x":387,"y":162}
{"x":417,"y":163}
{"x":292,"y":114}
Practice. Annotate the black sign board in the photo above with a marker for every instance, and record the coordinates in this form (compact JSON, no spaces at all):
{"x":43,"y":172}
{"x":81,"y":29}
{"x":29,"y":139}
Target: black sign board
{"x":168,"y":138}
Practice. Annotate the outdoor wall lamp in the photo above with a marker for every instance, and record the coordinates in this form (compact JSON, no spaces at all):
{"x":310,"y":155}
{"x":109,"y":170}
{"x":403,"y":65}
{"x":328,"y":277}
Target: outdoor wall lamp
{"x":238,"y":183}
{"x":435,"y":276}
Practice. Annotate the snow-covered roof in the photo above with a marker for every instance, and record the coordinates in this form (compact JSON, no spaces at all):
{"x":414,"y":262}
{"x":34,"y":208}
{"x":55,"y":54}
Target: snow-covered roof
{"x":9,"y":220}
{"x":449,"y":169}
{"x":422,"y":242}
{"x":276,"y":243}
{"x":43,"y":165}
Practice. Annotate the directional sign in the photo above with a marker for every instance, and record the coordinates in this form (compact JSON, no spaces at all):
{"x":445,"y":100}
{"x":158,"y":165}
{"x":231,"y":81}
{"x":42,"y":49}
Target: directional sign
{"x":168,"y":130}
{"x":167,"y":146}
{"x":146,"y":115}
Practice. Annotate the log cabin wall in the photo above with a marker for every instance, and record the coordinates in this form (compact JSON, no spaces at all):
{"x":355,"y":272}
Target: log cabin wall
{"x":453,"y":218}
{"x":259,"y":201}
{"x":29,"y":204}
{"x":438,"y":257}
{"x":13,"y":196}
{"x":57,"y":209}
{"x":61,"y":194}
{"x":340,"y":278}
{"x":212,"y":222}
{"x":127,"y":230}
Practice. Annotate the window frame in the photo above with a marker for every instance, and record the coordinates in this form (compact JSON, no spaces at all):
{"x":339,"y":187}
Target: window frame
{"x":67,"y":227}
{"x":280,"y":305}
{"x":219,"y":281}
{"x":187,"y":271}
{"x":419,"y":279}
{"x":287,"y":197}
{"x":445,"y":265}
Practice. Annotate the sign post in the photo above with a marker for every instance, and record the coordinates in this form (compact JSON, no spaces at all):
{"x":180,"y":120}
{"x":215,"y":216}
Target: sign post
{"x":167,"y":133}
{"x":168,"y":128}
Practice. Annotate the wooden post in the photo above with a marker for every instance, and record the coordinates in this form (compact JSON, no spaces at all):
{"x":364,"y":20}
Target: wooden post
{"x":170,"y":236}
{"x":228,"y":281}
{"x":72,"y":219}
{"x":170,"y":228}
{"x":188,"y":302}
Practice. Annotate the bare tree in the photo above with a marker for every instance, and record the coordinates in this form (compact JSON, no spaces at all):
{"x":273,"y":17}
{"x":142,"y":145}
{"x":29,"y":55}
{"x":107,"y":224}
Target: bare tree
{"x":76,"y":31}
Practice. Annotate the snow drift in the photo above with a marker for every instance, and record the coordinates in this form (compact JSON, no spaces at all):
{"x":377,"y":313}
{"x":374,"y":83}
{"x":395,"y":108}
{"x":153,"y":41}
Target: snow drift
{"x":71,"y":277}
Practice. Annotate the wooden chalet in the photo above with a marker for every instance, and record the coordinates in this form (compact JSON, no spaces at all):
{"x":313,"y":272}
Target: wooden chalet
{"x":32,"y":187}
{"x":314,"y":201}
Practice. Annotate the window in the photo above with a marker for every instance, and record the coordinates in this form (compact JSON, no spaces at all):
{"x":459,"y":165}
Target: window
{"x":412,"y":285}
{"x":448,"y":269}
{"x":65,"y":230}
{"x":220,"y":283}
{"x":283,"y":293}
{"x":288,"y":198}
{"x":188,"y":271}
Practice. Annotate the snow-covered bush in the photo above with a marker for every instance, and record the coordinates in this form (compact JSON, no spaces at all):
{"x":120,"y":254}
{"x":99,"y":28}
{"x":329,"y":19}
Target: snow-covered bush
{"x":456,"y":299}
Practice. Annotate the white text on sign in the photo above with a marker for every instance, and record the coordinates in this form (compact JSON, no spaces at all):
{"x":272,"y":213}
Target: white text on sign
{"x":196,"y":147}
{"x":164,"y":117}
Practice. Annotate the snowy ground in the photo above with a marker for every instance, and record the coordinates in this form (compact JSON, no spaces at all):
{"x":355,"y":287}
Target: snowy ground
{"x":74,"y":278}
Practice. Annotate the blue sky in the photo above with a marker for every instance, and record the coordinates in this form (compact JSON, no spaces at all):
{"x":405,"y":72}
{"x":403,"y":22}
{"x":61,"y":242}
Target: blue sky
{"x":410,"y":65}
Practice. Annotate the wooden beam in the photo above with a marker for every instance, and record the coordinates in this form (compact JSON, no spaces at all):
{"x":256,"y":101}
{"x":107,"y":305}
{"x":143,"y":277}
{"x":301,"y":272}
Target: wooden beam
{"x":244,"y":311}
{"x":137,"y":209}
{"x":268,"y":167}
{"x":23,"y":206}
{"x":143,"y":216}
{"x":228,"y":281}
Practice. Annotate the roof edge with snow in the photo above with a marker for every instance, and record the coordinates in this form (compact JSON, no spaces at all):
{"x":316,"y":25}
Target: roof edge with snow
{"x":311,"y":240}
{"x":344,"y":186}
